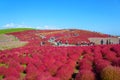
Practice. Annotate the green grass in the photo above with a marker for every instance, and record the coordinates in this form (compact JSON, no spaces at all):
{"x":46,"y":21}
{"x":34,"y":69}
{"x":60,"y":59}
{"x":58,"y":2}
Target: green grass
{"x":22,"y":75}
{"x":1,"y":77}
{"x":4,"y":31}
{"x":3,"y":65}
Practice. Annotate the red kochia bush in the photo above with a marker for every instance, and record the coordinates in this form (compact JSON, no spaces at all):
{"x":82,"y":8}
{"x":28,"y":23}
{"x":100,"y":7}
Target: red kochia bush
{"x":116,"y":49}
{"x":100,"y":64}
{"x":110,"y":73}
{"x":85,"y":64}
{"x":16,"y":65}
{"x":97,"y":55}
{"x":11,"y":78}
{"x":2,"y":70}
{"x":12,"y":72}
{"x":48,"y":60}
{"x":65,"y":72}
{"x":43,"y":76}
{"x":53,"y":78}
{"x":75,"y":53}
{"x":109,"y":55}
{"x":116,"y":62}
{"x":32,"y":72}
{"x":86,"y":67}
{"x":46,"y":76}
{"x":85,"y":75}
{"x":74,"y":56}
{"x":52,"y":69}
{"x":89,"y":57}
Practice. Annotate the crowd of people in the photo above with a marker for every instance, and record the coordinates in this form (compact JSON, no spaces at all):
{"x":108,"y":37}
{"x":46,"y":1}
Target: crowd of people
{"x":60,"y":43}
{"x":107,"y":42}
{"x":82,"y":43}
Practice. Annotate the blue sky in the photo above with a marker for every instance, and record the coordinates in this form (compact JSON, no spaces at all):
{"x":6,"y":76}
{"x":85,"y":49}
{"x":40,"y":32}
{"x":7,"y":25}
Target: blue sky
{"x":95,"y":15}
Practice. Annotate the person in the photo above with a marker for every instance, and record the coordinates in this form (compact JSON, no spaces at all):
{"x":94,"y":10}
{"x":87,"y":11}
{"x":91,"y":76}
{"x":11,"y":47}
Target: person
{"x":42,"y":43}
{"x":102,"y":42}
{"x":66,"y":42}
{"x":77,"y":43}
{"x":107,"y":42}
{"x":119,"y":41}
{"x":58,"y":43}
{"x":91,"y":44}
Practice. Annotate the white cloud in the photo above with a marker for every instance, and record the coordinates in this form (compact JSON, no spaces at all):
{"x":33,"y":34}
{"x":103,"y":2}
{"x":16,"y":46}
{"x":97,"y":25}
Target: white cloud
{"x":51,"y":27}
{"x":13,"y":25}
{"x":22,"y":26}
{"x":47,"y":27}
{"x":39,"y":27}
{"x":10,"y":25}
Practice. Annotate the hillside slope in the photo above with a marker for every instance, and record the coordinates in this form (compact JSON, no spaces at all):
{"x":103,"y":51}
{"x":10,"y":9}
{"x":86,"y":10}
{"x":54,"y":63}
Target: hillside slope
{"x":72,"y":36}
{"x":10,"y":30}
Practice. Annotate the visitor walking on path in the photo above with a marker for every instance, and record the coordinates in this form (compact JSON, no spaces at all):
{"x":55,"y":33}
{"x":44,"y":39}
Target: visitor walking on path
{"x":102,"y":41}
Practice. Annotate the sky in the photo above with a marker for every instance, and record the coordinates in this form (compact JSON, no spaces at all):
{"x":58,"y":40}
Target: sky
{"x":94,"y":15}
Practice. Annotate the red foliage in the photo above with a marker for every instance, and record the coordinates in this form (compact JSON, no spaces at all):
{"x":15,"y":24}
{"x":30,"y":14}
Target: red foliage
{"x":100,"y":64}
{"x":11,"y":78}
{"x":2,"y":70}
{"x":12,"y":72}
{"x":89,"y":57}
{"x":116,"y":49}
{"x":109,"y":55}
{"x":55,"y":63}
{"x":116,"y":62}
{"x":65,"y":72}
{"x":85,"y":75}
{"x":85,"y":64}
{"x":46,"y":76}
{"x":32,"y":72}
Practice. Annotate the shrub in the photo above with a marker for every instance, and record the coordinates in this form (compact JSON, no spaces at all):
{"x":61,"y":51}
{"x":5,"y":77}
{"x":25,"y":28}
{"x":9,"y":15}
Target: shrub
{"x":110,"y":73}
{"x":43,"y":76}
{"x":65,"y":72}
{"x":52,"y":69}
{"x":116,"y":49}
{"x":2,"y":70}
{"x":86,"y":67}
{"x":85,"y":64}
{"x":53,"y":78}
{"x":89,"y":57}
{"x":116,"y":62}
{"x":100,"y":64}
{"x":85,"y":75}
{"x":11,"y":78}
{"x":12,"y":72}
{"x":32,"y":72}
{"x":109,"y":55}
{"x":97,"y":55}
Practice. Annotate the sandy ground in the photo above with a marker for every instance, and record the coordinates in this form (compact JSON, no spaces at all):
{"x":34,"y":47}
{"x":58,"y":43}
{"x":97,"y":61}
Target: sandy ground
{"x":10,"y":41}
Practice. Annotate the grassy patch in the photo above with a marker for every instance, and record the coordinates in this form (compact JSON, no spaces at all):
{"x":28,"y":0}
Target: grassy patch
{"x":22,"y":76}
{"x":1,"y":77}
{"x":4,"y":65}
{"x":24,"y":65}
{"x":1,"y":64}
{"x":3,"y":31}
